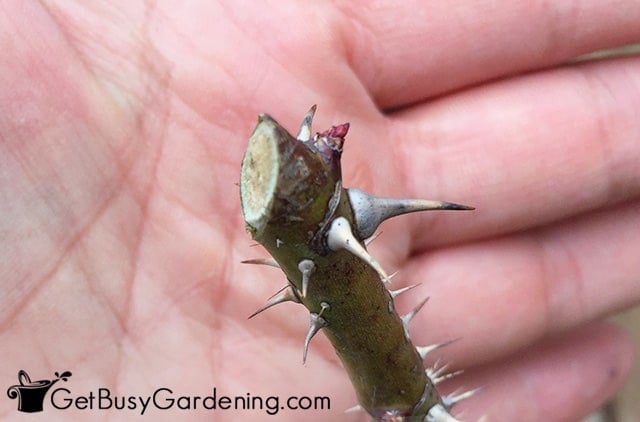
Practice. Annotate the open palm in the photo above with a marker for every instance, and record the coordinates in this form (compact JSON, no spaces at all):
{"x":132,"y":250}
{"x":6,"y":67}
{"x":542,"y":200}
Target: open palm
{"x":122,"y":128}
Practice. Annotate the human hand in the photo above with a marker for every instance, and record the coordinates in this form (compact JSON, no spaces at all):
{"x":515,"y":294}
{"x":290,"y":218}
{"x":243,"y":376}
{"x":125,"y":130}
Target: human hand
{"x":123,"y":127}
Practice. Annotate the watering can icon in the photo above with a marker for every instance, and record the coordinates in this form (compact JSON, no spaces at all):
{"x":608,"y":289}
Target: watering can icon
{"x":31,"y":394}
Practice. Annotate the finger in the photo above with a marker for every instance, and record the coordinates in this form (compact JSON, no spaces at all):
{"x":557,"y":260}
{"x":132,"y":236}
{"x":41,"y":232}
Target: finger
{"x":524,"y":152}
{"x":406,"y":54}
{"x":502,"y":295}
{"x":560,"y":380}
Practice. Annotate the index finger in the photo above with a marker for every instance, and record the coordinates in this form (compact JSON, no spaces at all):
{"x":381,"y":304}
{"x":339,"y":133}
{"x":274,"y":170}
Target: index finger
{"x":422,"y":49}
{"x":524,"y":152}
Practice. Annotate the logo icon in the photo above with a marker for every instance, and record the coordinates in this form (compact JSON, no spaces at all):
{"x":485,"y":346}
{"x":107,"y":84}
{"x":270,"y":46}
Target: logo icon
{"x":31,"y":394}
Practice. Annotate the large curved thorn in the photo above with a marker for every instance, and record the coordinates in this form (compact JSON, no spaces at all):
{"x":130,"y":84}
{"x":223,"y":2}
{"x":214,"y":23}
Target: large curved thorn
{"x":340,"y":236}
{"x":371,"y":210}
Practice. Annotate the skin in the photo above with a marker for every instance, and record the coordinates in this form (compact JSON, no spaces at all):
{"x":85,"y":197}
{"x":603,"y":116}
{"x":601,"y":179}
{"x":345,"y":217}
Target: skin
{"x":122,"y":128}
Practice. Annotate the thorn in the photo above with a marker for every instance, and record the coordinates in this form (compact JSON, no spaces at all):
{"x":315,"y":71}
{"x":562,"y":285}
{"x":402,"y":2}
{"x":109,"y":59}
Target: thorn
{"x":353,"y":409}
{"x":406,"y":319}
{"x":438,"y":380}
{"x":317,"y":322}
{"x":306,"y":267}
{"x":262,"y":261}
{"x":286,"y":294}
{"x":438,"y":413}
{"x":437,"y":375}
{"x":304,"y":134}
{"x":436,"y":370}
{"x":341,"y":237}
{"x":395,"y":293}
{"x":371,"y":210}
{"x":452,"y":400}
{"x":368,"y":241}
{"x":425,"y":350}
{"x":393,"y":274}
{"x":279,"y":242}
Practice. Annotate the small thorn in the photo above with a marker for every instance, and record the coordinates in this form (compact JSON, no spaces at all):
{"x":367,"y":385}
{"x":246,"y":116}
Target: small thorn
{"x":263,"y":261}
{"x":304,"y":134}
{"x":316,"y":323}
{"x":306,"y":267}
{"x":370,"y":240}
{"x":438,"y":380}
{"x":356,"y":408}
{"x":438,"y":413}
{"x":279,"y":242}
{"x":406,"y":319}
{"x":371,"y":210}
{"x":395,"y":293}
{"x":425,"y":350}
{"x":340,"y":236}
{"x":452,"y":400}
{"x":437,"y":375}
{"x":390,"y":277}
{"x":286,"y":294}
{"x":436,"y":370}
